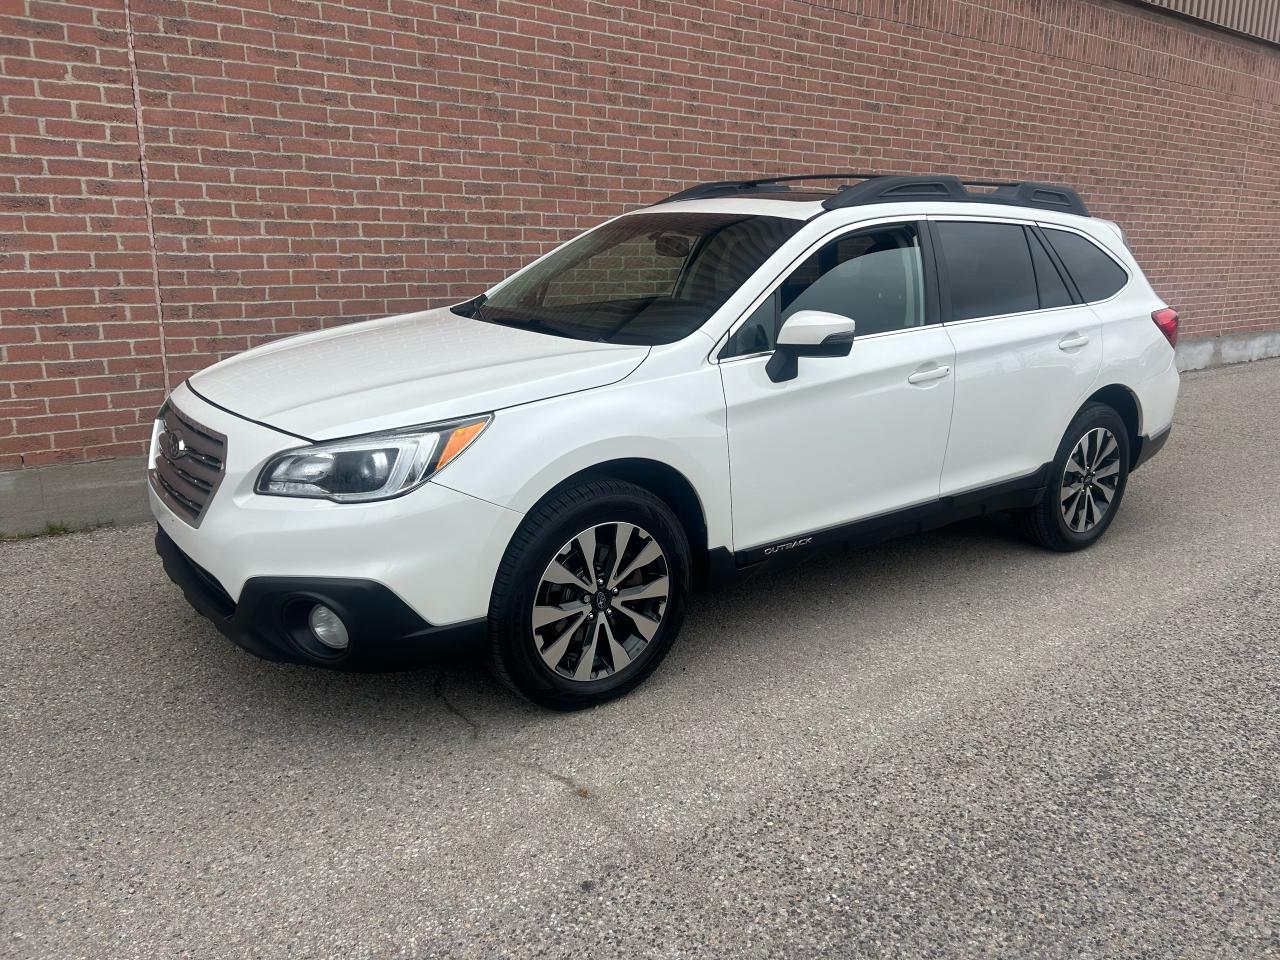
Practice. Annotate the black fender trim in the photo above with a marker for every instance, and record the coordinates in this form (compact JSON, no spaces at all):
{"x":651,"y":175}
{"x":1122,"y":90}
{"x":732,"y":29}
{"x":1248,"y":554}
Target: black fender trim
{"x":1013,"y":494}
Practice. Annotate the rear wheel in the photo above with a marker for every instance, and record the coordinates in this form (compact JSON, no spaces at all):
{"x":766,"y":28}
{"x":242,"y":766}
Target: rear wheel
{"x":1087,"y":483}
{"x":590,"y":595}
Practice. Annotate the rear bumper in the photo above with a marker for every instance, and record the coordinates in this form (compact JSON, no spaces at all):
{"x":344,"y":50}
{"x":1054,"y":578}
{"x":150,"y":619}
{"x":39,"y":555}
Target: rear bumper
{"x":270,"y":618}
{"x":1148,"y":447}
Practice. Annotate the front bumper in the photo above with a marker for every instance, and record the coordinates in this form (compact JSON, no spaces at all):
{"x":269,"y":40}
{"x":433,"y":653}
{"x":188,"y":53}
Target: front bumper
{"x":270,"y":618}
{"x":435,"y":549}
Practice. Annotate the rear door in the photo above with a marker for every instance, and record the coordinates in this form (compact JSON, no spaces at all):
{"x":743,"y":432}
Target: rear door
{"x":1027,"y":352}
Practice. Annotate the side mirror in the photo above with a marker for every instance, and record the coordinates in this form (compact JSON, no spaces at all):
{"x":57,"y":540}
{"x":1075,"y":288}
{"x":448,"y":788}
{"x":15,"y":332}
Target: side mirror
{"x":809,"y":333}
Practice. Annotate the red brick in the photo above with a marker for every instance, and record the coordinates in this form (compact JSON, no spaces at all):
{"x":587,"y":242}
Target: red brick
{"x":311,"y":166}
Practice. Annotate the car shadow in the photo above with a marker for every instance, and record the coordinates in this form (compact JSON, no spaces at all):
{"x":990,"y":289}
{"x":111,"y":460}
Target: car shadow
{"x":458,"y":696}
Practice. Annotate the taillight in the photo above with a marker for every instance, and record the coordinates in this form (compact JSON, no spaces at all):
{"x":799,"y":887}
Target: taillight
{"x":1167,"y":321}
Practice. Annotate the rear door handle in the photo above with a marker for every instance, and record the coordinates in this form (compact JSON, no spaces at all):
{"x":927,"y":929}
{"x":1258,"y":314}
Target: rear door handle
{"x":933,"y":373}
{"x":1070,"y":343}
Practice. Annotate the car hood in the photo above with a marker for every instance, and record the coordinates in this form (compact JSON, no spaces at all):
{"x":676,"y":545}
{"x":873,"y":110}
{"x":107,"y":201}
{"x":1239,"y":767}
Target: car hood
{"x":404,"y":370}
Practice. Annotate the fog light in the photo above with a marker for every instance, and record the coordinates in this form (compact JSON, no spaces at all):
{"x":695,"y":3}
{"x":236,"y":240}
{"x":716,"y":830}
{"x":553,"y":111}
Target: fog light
{"x":327,"y":627}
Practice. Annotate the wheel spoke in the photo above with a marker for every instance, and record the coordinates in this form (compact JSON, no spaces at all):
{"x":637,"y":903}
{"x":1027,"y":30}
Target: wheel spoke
{"x":1110,"y":469}
{"x":550,"y":613}
{"x":649,"y":553}
{"x":1107,"y":446}
{"x":621,"y":540}
{"x":588,"y":658}
{"x":617,"y":654}
{"x":647,"y":591}
{"x":645,"y":626}
{"x":557,"y":572}
{"x":554,"y":653}
{"x":586,"y":541}
{"x":1077,"y":458}
{"x":1070,"y":491}
{"x":1106,"y":492}
{"x":1081,"y":511}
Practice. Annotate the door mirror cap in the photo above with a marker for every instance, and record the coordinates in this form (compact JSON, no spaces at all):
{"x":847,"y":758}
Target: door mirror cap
{"x":815,"y":328}
{"x":809,"y":333}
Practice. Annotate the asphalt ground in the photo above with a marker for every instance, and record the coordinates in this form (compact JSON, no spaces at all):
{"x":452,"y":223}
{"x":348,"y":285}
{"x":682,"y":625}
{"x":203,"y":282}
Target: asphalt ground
{"x":952,"y":745}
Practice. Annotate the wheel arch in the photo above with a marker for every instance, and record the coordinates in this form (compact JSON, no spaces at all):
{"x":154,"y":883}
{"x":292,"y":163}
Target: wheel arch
{"x":669,"y":485}
{"x":1124,"y":402}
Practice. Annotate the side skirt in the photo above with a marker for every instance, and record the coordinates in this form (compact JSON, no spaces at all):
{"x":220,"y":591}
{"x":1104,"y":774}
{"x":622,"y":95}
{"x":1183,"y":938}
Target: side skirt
{"x":727,"y":567}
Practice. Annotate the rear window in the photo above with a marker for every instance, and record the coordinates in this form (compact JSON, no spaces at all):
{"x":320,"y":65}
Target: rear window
{"x":989,"y":269}
{"x":1097,"y":276}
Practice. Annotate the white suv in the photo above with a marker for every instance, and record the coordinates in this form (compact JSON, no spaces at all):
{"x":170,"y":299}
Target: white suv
{"x":739,"y":375}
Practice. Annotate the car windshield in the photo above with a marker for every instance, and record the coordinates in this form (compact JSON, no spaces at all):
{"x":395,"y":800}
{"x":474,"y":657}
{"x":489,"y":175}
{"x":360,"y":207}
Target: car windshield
{"x":643,"y":279}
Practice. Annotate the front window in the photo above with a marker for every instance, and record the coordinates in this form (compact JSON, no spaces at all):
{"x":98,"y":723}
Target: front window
{"x":872,"y":275}
{"x":644,"y":279}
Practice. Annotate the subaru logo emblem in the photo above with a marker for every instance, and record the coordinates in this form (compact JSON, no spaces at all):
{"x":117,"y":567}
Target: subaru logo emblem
{"x":174,"y":446}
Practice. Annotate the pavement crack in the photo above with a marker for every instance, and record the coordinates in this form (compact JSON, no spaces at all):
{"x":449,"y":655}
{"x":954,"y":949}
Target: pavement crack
{"x":506,"y":754}
{"x":437,"y":688}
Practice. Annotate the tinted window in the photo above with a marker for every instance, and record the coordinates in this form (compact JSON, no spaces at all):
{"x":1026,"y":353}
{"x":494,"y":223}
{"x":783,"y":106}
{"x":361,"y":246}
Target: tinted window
{"x":647,"y":278}
{"x":873,"y":276}
{"x":632,"y":268}
{"x":1096,"y":275}
{"x":759,"y":333}
{"x":989,"y":269}
{"x":1053,"y":290}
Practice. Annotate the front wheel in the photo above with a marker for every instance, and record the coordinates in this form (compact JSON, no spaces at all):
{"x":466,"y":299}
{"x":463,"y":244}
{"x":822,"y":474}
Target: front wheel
{"x":1087,"y":483}
{"x":590,"y":595}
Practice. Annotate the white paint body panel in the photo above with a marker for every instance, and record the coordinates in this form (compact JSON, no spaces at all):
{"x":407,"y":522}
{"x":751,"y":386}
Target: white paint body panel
{"x":671,"y":411}
{"x":848,"y":438}
{"x":404,"y":370}
{"x":1016,"y":389}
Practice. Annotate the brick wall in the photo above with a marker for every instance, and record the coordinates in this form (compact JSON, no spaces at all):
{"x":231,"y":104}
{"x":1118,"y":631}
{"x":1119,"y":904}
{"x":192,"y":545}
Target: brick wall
{"x":309,"y":163}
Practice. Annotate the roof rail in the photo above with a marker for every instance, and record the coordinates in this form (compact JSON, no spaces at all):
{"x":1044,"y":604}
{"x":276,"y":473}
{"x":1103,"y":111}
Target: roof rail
{"x":891,"y":188}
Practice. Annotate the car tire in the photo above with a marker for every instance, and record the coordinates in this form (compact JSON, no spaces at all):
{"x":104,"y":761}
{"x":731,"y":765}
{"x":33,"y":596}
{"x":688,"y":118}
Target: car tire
{"x":544,"y":622}
{"x":1086,"y":483}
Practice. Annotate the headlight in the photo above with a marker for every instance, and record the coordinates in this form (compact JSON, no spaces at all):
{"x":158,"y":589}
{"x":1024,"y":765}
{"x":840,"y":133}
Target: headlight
{"x":372,"y":467}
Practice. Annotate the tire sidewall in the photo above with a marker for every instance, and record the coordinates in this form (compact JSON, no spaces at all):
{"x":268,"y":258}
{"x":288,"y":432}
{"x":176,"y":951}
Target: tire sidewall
{"x":510,"y":615}
{"x":1090,"y":418}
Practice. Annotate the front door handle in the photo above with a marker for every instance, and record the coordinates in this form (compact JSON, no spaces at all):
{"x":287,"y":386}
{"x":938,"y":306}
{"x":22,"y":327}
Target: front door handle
{"x":1073,"y":341}
{"x":933,"y":373}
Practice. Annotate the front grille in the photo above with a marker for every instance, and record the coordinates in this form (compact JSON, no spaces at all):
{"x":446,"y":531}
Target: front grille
{"x":190,"y":460}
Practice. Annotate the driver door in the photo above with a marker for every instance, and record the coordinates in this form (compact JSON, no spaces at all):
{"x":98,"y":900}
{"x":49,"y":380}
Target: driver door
{"x":850,"y":437}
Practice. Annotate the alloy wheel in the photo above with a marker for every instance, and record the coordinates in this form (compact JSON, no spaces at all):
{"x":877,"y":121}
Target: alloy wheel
{"x":600,"y":601}
{"x":1090,"y":480}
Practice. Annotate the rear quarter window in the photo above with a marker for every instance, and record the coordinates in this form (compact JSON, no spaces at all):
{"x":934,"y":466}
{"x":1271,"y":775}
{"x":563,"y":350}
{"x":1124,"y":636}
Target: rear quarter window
{"x":1096,"y":274}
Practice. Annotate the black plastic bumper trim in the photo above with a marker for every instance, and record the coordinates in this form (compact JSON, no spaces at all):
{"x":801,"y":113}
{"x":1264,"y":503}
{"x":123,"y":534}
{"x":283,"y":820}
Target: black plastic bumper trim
{"x":1007,"y":495}
{"x":1150,"y":446}
{"x":269,"y":620}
